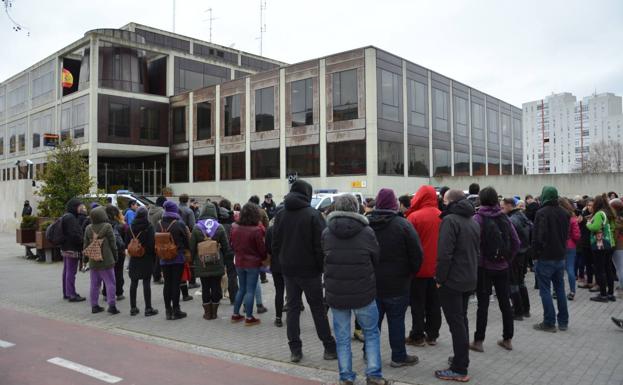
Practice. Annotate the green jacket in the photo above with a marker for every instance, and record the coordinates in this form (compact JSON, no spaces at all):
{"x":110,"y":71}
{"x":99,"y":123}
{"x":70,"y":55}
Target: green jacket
{"x":220,"y":236}
{"x":103,"y":229}
{"x":597,"y":223}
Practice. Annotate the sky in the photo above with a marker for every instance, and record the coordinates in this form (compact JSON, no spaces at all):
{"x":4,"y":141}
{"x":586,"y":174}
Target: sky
{"x":517,"y":51}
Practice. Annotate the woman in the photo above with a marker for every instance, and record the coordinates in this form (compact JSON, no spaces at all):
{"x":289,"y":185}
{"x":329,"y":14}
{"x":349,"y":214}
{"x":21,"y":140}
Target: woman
{"x":102,"y":270}
{"x":584,"y":247}
{"x":617,"y":207}
{"x":141,"y":267}
{"x":572,"y":240}
{"x":275,"y":269}
{"x":247,"y":240}
{"x":209,"y":270}
{"x":602,"y":236}
{"x":71,"y":249}
{"x":116,"y":220}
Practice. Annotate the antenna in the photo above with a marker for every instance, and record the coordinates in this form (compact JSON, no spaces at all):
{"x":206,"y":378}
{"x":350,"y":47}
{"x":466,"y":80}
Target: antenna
{"x":173,"y":16}
{"x":210,"y":19}
{"x":17,"y":27}
{"x":262,"y":24}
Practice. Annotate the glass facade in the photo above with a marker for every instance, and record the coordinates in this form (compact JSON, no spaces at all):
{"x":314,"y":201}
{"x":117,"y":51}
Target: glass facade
{"x":179,"y":170}
{"x":232,"y":111}
{"x":265,"y":163}
{"x":391,"y":89}
{"x":418,"y":161}
{"x":233,"y":166}
{"x":150,"y":123}
{"x":204,"y":168}
{"x":302,"y":103}
{"x":442,"y":162}
{"x":440,"y":110}
{"x":204,"y":120}
{"x":345,"y":95}
{"x":346,"y":158}
{"x":265,"y":109}
{"x":303,"y":160}
{"x":144,"y":176}
{"x":119,"y":119}
{"x":179,"y":124}
{"x":391,"y":161}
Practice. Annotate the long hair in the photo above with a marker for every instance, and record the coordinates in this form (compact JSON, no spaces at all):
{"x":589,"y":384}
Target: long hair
{"x":566,"y":205}
{"x":601,"y":203}
{"x":250,"y":215}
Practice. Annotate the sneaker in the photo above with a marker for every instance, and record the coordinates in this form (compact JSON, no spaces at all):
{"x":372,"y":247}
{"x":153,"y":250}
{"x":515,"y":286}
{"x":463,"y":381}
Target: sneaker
{"x":113,"y":310}
{"x":329,"y":355}
{"x":450,"y":375}
{"x":134,"y":311}
{"x":358,"y":335}
{"x":477,"y":346}
{"x":150,"y":311}
{"x":571,"y":296}
{"x":415,"y":341}
{"x":431,"y":341}
{"x":544,"y":328}
{"x":77,"y":298}
{"x":178,"y":314}
{"x":296,"y":357}
{"x":261,"y":309}
{"x":251,"y":321}
{"x":236,"y":318}
{"x":563,"y":328}
{"x":278,"y":322}
{"x":600,"y":298}
{"x":378,"y":381}
{"x":187,"y":298}
{"x":96,"y":309}
{"x":409,"y":361}
{"x":618,"y":322}
{"x":611,"y":298}
{"x":506,"y":344}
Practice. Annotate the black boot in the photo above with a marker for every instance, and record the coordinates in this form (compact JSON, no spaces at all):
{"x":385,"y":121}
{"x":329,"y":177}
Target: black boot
{"x":113,"y":310}
{"x":215,"y":310}
{"x":517,"y":306}
{"x":525,"y":301}
{"x":207,"y":311}
{"x":169,"y":313}
{"x":178,"y":314}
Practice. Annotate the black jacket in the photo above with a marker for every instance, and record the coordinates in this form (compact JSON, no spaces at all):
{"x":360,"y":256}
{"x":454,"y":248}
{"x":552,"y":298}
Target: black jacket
{"x":458,"y":247}
{"x":269,"y":208}
{"x":142,"y":267}
{"x":400,"y":255}
{"x":531,"y":210}
{"x":296,"y":237}
{"x":584,"y":245}
{"x":352,"y":253}
{"x":72,"y":231}
{"x":275,"y":266}
{"x":523,"y":226}
{"x":550,"y":232}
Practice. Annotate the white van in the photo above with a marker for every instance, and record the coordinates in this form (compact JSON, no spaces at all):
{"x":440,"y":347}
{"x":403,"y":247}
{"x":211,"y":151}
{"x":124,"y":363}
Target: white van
{"x":323,"y":200}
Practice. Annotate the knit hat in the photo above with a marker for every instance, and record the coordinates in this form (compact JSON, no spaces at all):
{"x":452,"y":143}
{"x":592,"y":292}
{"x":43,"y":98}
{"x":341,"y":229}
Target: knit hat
{"x":94,"y":205}
{"x":171,"y":210}
{"x":386,"y":200}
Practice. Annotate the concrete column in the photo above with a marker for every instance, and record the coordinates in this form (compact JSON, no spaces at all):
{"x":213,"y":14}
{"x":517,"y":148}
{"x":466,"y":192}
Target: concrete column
{"x":247,"y":128}
{"x":170,"y":75}
{"x":405,"y":120}
{"x":372,"y":164}
{"x":190,"y":138}
{"x":451,"y":129}
{"x":282,"y":124}
{"x":93,"y":85}
{"x":322,"y":93}
{"x":430,"y":125}
{"x":469,"y":128}
{"x":217,"y":136}
{"x":500,"y":136}
{"x":486,"y":140}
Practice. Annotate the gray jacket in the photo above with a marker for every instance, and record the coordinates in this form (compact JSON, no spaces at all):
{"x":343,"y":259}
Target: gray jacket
{"x":155,"y":216}
{"x":187,"y":214}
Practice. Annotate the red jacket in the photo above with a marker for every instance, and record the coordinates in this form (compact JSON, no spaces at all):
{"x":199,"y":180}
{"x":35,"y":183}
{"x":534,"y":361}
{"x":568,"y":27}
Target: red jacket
{"x":574,"y":233}
{"x":424,"y":216}
{"x":248,"y":245}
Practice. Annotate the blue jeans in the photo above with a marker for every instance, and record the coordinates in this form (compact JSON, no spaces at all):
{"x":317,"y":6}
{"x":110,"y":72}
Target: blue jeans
{"x":368,"y":318}
{"x":395,"y":308}
{"x":570,"y":257}
{"x":247,"y":282}
{"x":548,"y":273}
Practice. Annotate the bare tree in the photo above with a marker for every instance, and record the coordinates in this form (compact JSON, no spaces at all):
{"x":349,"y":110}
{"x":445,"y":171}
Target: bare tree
{"x":604,"y":157}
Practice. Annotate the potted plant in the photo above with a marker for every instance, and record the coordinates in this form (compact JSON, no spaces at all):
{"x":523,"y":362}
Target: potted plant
{"x":40,"y":239}
{"x":26,"y":231}
{"x":167,"y":191}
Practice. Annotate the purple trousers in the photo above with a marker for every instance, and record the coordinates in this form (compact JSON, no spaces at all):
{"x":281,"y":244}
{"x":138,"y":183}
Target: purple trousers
{"x":70,"y":268}
{"x":108,"y":276}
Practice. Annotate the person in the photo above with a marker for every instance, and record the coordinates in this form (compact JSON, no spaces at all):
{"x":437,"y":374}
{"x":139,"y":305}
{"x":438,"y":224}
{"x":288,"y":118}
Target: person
{"x":457,"y":270}
{"x":141,"y":267}
{"x":425,"y":308}
{"x":247,"y":240}
{"x":116,"y":220}
{"x":27,"y":210}
{"x":172,"y":269}
{"x":442,"y":192}
{"x":405,"y":204}
{"x":549,"y":241}
{"x":400,"y":257}
{"x":226,"y":218}
{"x":352,"y":252}
{"x":617,"y":258}
{"x":602,"y":227}
{"x":532,"y":206}
{"x":155,"y":216}
{"x":269,"y":205}
{"x":369,"y":206}
{"x":102,"y":271}
{"x":519,"y":267}
{"x":612,"y":195}
{"x":275,"y":269}
{"x":472,"y":196}
{"x":130,"y":212}
{"x":194,"y":206}
{"x":71,"y":249}
{"x":189,"y":281}
{"x":186,"y":213}
{"x":210,"y":271}
{"x":296,"y":242}
{"x":583,"y":250}
{"x":572,"y":239}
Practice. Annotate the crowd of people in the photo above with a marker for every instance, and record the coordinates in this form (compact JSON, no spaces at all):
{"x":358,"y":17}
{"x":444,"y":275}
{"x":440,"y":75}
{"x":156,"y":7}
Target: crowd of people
{"x":432,"y":252}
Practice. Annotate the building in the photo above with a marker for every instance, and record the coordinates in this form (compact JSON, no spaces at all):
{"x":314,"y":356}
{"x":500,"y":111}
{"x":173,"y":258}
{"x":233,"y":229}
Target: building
{"x":559,"y":130}
{"x":155,"y":108}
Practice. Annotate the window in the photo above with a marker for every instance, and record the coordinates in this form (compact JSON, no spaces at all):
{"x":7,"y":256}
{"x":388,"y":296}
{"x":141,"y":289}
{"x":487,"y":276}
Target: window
{"x":417,"y":103}
{"x":232,"y":115}
{"x":390,"y":95}
{"x":460,"y":111}
{"x":391,"y":161}
{"x":494,"y":164}
{"x":204,"y":120}
{"x":301,"y":100}
{"x":119,"y":120}
{"x":418,"y":161}
{"x":265,"y":109}
{"x":461,"y":164}
{"x":478,"y":123}
{"x":265,"y":163}
{"x":204,"y":168}
{"x":492,"y":126}
{"x":507,"y":166}
{"x":303,"y":160}
{"x":233,"y":166}
{"x":36,"y":140}
{"x":346,"y":158}
{"x":12,"y":144}
{"x":150,"y":123}
{"x":179,"y":124}
{"x":345,"y":95}
{"x":441,"y":161}
{"x":440,"y":110}
{"x":65,"y":134}
{"x":179,"y":170}
{"x":21,"y":142}
{"x":79,"y":133}
{"x":1,"y":146}
{"x":506,"y":130}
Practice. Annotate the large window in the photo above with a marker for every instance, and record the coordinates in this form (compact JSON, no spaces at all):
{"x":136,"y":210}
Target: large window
{"x":460,"y":116}
{"x":417,"y":103}
{"x":150,"y":123}
{"x":390,"y":96}
{"x":440,"y":110}
{"x":418,"y":160}
{"x":346,"y":158}
{"x":119,"y":120}
{"x":391,"y":161}
{"x":192,"y":75}
{"x":179,"y":170}
{"x":204,"y":120}
{"x":233,"y":166}
{"x":345,"y":95}
{"x":461,"y":164}
{"x":179,"y":124}
{"x":265,"y":109}
{"x":492,"y":126}
{"x":303,"y":160}
{"x":232,"y":115}
{"x":265,"y":163}
{"x":12,"y":144}
{"x":1,"y":147}
{"x":478,"y":123}
{"x":494,"y":164}
{"x":441,"y":161}
{"x":506,"y":130}
{"x":203,"y":168}
{"x":302,"y":100}
{"x":517,"y":134}
{"x":36,"y":140}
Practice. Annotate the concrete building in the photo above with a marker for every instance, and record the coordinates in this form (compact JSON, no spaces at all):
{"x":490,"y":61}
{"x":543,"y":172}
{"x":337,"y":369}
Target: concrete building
{"x":559,"y":130}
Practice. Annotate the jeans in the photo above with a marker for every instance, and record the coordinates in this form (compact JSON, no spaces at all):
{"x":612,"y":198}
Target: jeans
{"x":604,"y":273}
{"x":171,"y":289}
{"x":580,"y":264}
{"x":70,"y":268}
{"x":570,"y":259}
{"x":617,"y":259}
{"x":108,"y":277}
{"x":368,"y":318}
{"x":119,"y":281}
{"x":211,"y":291}
{"x":425,"y":309}
{"x":395,"y":308}
{"x":146,"y":292}
{"x":454,"y":304}
{"x":247,"y":280}
{"x":499,"y":280}
{"x":548,"y":273}
{"x":279,"y":293}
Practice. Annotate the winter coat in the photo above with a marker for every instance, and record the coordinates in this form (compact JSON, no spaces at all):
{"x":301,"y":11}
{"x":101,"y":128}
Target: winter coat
{"x":584,"y":244}
{"x":142,"y":267}
{"x":275,"y":266}
{"x":494,"y":212}
{"x":155,"y":215}
{"x":248,"y":245}
{"x":352,"y":253}
{"x":550,"y":231}
{"x":207,"y":220}
{"x":72,"y":231}
{"x":523,"y":227}
{"x":269,"y":209}
{"x":296,"y":238}
{"x":424,"y":216}
{"x":458,"y":249}
{"x":596,"y":224}
{"x":574,"y":233}
{"x":100,"y":226}
{"x":400,"y":253}
{"x":531,"y":210}
{"x":181,"y":237}
{"x":187,"y":214}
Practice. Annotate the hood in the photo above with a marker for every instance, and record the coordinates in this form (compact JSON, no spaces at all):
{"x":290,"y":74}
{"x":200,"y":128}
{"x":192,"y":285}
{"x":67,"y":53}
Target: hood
{"x":72,"y":206}
{"x":426,"y":196}
{"x":462,"y":207}
{"x":155,"y":210}
{"x":345,"y":224}
{"x":549,"y":195}
{"x":208,"y":211}
{"x":98,"y":215}
{"x":140,"y":221}
{"x":302,"y":187}
{"x":224,"y":214}
{"x":379,"y":219}
{"x":296,"y":200}
{"x":490,"y":211}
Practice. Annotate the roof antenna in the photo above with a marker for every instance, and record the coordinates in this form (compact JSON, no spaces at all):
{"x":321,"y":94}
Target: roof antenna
{"x":173,"y":16}
{"x":262,"y":25}
{"x":210,"y":19}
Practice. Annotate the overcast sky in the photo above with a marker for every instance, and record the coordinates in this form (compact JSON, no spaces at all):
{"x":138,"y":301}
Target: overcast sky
{"x":517,"y":51}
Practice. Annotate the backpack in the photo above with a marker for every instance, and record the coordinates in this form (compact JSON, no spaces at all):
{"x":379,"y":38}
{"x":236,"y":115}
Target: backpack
{"x":54,"y":232}
{"x":208,"y":251}
{"x":496,"y":238}
{"x":523,"y":226}
{"x":94,"y":250}
{"x":165,"y":247}
{"x":135,"y":248}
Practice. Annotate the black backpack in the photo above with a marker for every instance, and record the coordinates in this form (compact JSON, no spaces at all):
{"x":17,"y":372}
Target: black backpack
{"x":523,"y":226}
{"x":496,"y":238}
{"x":54,"y":233}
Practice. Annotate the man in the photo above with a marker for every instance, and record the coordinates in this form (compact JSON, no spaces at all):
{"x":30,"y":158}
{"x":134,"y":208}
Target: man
{"x":442,"y":193}
{"x":154,"y":215}
{"x":226,"y":218}
{"x":269,"y":205}
{"x":405,"y":204}
{"x":27,"y":210}
{"x":425,"y":308}
{"x":473,"y":191}
{"x":71,"y":249}
{"x":187,"y":214}
{"x":194,"y":206}
{"x":296,"y":242}
{"x":401,"y":256}
{"x":457,"y":270}
{"x":549,"y":240}
{"x":130,"y":212}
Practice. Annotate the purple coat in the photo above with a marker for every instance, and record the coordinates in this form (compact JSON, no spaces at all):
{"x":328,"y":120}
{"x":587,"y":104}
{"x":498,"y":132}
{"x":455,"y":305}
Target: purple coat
{"x":495,"y":211}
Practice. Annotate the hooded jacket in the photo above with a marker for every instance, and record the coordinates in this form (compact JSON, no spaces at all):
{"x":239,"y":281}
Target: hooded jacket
{"x":100,"y":226}
{"x":187,"y":214}
{"x":142,"y":267}
{"x":296,"y":237}
{"x":207,"y":220}
{"x":551,"y":228}
{"x":424,"y":216}
{"x":400,"y":253}
{"x":458,"y":249}
{"x":155,"y":215}
{"x":495,"y":212}
{"x":72,"y":231}
{"x":351,"y":252}
{"x":248,"y":245}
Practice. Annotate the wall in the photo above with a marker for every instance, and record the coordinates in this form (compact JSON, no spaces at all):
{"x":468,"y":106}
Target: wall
{"x":13,"y":195}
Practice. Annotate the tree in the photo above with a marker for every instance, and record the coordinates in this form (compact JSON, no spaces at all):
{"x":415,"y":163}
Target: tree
{"x":66,"y":176}
{"x":604,"y":157}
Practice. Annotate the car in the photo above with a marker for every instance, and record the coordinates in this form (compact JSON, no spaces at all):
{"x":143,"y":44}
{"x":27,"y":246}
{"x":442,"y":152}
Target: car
{"x":122,"y":199}
{"x":322,"y":201}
